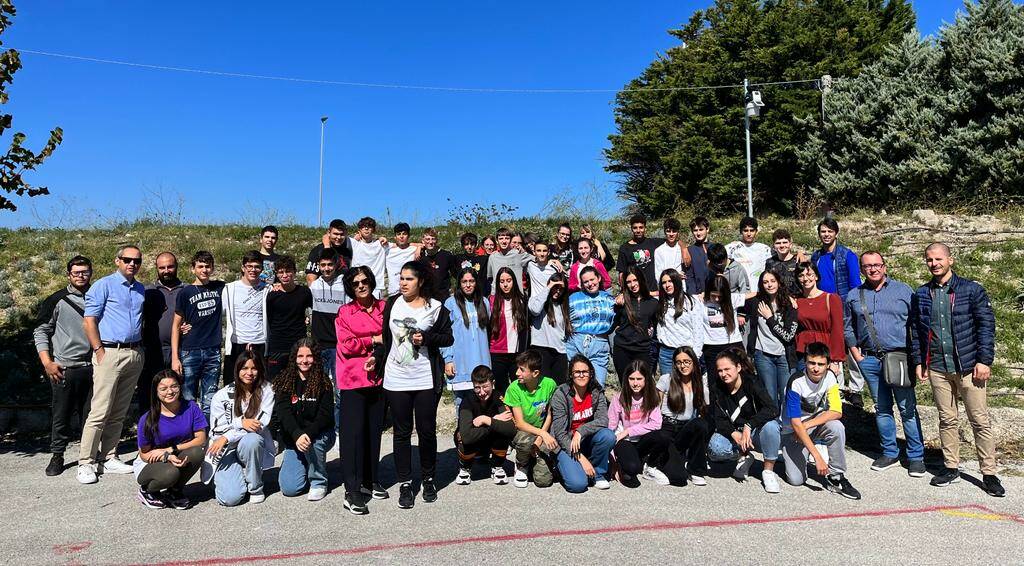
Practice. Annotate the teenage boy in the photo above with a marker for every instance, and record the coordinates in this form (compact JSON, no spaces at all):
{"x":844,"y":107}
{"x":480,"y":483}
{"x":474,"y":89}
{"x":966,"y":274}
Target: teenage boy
{"x":336,"y":239}
{"x":66,"y":358}
{"x":245,"y":314}
{"x":783,"y":261}
{"x":720,"y":264}
{"x":562,"y":249}
{"x":268,"y":241}
{"x":953,"y":335}
{"x":837,"y":264}
{"x":507,"y":256}
{"x":639,"y":251}
{"x":543,"y":266}
{"x":812,"y":415}
{"x":287,"y":310}
{"x":477,"y":261}
{"x":672,"y":254}
{"x":196,"y":355}
{"x":370,"y":251}
{"x":401,"y":252}
{"x":528,"y":399}
{"x":485,"y":426}
{"x":441,"y":262}
{"x":697,"y":270}
{"x":748,"y":252}
{"x":328,"y":296}
{"x":157,"y":315}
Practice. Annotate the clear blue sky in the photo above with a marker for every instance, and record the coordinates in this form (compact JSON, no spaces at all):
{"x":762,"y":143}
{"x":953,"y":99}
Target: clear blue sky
{"x":230,"y":146}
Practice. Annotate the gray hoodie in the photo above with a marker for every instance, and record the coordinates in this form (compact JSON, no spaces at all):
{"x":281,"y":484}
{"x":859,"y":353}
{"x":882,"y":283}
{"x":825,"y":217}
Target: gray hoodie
{"x":60,"y":330}
{"x":561,"y":413}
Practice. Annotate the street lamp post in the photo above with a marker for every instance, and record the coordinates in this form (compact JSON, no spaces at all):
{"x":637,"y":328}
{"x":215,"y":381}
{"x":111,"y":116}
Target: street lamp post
{"x":751,"y":109}
{"x":320,"y":201}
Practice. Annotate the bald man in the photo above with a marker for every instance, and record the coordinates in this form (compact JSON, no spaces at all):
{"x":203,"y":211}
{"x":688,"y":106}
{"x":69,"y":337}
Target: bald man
{"x":953,"y":334}
{"x":157,"y":315}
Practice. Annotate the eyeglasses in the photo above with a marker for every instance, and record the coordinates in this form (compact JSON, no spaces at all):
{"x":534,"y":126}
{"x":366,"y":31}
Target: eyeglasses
{"x":873,"y":265}
{"x":686,"y":362}
{"x":581,"y":373}
{"x":85,"y":273}
{"x":252,"y":267}
{"x":135,"y":260}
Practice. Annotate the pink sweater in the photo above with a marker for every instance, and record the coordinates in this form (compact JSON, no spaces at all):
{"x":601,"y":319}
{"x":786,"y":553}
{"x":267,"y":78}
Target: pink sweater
{"x":636,"y":423}
{"x":574,"y":275}
{"x":356,"y":329}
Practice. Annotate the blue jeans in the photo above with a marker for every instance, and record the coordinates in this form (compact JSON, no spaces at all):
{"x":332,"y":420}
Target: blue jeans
{"x":329,"y":358}
{"x":240,"y":471}
{"x":767,"y":441}
{"x":302,"y":469}
{"x":200,"y":370}
{"x":458,"y":397}
{"x":665,"y":361}
{"x":774,"y":373}
{"x":905,"y":399}
{"x":595,"y":348}
{"x":596,"y":448}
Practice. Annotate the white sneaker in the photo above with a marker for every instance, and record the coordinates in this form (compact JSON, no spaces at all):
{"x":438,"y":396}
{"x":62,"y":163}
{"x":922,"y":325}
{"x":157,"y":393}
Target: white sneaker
{"x":86,"y":474}
{"x":602,"y":483}
{"x":770,"y":481}
{"x":520,"y":479}
{"x":316,"y":493}
{"x":498,"y":475}
{"x":743,"y":467}
{"x":655,"y":475}
{"x":115,"y":466}
{"x":698,"y":480}
{"x":257,"y":497}
{"x":464,"y":477}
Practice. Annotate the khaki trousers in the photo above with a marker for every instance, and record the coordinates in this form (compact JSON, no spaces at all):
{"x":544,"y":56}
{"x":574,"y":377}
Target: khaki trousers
{"x":113,"y":384}
{"x":947,"y":388}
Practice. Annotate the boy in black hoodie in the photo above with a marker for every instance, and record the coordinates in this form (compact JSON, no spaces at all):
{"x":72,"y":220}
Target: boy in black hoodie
{"x":484,"y":423}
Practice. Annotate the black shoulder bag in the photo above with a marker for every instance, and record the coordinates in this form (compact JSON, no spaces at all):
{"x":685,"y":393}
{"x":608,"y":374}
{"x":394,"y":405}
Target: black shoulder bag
{"x":895,"y":366}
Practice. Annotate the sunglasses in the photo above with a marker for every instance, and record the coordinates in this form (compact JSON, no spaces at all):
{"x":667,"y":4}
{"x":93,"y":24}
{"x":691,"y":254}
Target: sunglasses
{"x":135,"y":260}
{"x":360,"y":283}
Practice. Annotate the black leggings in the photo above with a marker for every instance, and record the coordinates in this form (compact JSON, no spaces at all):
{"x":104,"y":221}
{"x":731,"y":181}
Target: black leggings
{"x":621,"y":358}
{"x":630,"y":456}
{"x":504,"y":368}
{"x":494,"y":443}
{"x":690,"y":441}
{"x":158,"y":476}
{"x":404,"y":405}
{"x":362,"y":422}
{"x":553,"y":363}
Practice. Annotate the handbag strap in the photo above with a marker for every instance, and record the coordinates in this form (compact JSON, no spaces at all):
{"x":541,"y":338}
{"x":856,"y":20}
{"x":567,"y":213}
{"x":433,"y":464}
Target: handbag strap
{"x":867,"y":318}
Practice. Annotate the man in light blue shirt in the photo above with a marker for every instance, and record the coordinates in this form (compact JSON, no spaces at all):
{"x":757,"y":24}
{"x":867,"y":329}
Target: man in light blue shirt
{"x":113,"y":326}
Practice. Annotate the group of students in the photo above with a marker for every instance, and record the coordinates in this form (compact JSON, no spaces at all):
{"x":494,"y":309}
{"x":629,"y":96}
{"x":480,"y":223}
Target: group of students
{"x":524,"y":339}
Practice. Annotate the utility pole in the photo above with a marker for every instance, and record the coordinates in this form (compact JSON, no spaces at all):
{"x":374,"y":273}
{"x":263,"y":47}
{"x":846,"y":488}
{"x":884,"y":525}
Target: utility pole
{"x":746,"y":126}
{"x":826,"y":86}
{"x":320,"y":201}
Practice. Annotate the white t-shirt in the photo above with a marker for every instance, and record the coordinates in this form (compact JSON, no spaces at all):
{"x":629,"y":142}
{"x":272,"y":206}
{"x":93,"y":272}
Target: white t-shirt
{"x":539,"y":276}
{"x":715,"y":332}
{"x":247,"y":311}
{"x":688,"y":413}
{"x":372,"y":255}
{"x":667,"y":257}
{"x":752,"y":258}
{"x":397,"y":257}
{"x":408,"y":367}
{"x":687,"y":330}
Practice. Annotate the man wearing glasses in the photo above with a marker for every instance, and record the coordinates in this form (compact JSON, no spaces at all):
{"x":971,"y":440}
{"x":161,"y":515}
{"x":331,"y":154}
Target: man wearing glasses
{"x":113,"y":326}
{"x":66,"y":357}
{"x":245,"y":302}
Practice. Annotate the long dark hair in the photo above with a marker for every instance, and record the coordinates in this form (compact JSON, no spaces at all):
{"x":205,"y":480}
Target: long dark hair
{"x":581,"y":359}
{"x":628,"y":297}
{"x":781,"y":298}
{"x":676,"y":396}
{"x":676,"y":299}
{"x":422,"y":274}
{"x":317,"y":381}
{"x":738,"y":356}
{"x":152,"y":426}
{"x":515,"y":297}
{"x":255,"y":394}
{"x":476,"y":298}
{"x":561,"y":303}
{"x":720,"y":284}
{"x":649,"y":392}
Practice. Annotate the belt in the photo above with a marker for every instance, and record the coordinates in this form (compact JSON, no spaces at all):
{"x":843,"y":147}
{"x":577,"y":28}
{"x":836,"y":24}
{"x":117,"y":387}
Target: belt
{"x":135,"y":344}
{"x":878,"y":353}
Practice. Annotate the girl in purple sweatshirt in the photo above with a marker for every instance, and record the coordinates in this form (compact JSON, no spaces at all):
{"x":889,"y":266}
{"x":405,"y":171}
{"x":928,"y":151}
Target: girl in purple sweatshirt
{"x":633,"y":415}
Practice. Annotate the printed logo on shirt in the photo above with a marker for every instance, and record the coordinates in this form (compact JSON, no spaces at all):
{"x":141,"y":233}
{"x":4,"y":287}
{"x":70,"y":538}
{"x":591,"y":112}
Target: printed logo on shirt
{"x":583,"y":415}
{"x":642,"y":257}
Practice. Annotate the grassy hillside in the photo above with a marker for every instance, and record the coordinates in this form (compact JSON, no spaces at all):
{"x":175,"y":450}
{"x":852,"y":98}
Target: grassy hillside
{"x":987,"y":248}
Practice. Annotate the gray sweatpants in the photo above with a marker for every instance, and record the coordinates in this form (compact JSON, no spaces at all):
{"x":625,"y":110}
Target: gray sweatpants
{"x":832,"y":434}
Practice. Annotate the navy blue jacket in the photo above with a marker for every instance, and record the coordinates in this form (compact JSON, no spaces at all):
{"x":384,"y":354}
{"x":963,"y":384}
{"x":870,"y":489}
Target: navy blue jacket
{"x":974,"y":325}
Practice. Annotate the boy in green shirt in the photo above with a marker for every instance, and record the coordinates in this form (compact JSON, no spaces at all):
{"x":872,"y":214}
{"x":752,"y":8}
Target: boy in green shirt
{"x":528,"y":399}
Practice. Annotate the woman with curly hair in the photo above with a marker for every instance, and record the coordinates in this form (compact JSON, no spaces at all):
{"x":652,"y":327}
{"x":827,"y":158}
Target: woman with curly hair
{"x":304,"y":417}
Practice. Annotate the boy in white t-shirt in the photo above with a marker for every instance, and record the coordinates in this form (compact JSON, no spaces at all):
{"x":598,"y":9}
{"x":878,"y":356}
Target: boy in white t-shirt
{"x":672,"y":254}
{"x":401,"y":251}
{"x":370,"y":251}
{"x":747,"y":252}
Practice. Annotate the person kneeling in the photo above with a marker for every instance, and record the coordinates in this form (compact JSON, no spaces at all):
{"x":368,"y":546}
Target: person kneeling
{"x":242,"y":446}
{"x":813,"y":411}
{"x":579,"y":422}
{"x":635,"y":418}
{"x":528,"y":398}
{"x":172,"y":436}
{"x":485,"y":424}
{"x":304,"y":415}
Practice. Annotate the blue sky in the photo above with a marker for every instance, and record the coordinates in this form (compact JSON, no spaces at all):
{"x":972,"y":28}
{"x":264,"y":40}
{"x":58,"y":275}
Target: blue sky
{"x":236,"y":148}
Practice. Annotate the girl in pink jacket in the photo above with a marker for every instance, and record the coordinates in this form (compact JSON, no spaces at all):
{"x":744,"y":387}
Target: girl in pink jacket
{"x":633,"y":415}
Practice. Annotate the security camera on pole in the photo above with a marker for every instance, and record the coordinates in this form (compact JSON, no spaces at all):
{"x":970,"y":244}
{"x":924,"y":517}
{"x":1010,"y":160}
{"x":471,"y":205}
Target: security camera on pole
{"x":752,"y":109}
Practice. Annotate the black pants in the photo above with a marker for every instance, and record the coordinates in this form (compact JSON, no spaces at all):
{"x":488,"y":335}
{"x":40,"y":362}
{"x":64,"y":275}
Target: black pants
{"x":71,"y":398}
{"x":362,"y":422}
{"x":494,"y":442}
{"x":621,"y":358}
{"x":553,"y":363}
{"x":630,"y":456}
{"x":276,"y":362}
{"x":405,"y":406}
{"x":710,"y":354}
{"x":504,"y":368}
{"x":689,"y":444}
{"x":228,"y":375}
{"x":158,"y":476}
{"x":156,"y":361}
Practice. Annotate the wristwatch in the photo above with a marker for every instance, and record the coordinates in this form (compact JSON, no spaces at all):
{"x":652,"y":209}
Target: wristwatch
{"x":174,"y":449}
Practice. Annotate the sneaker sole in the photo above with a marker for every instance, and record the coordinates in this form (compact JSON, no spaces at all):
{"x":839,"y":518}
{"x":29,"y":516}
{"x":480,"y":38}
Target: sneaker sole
{"x":883,"y":468}
{"x":946,"y":483}
{"x":839,"y":491}
{"x":916,"y":474}
{"x":996,"y":494}
{"x":147,"y":504}
{"x":400,"y":506}
{"x":460,"y":481}
{"x":353,"y":510}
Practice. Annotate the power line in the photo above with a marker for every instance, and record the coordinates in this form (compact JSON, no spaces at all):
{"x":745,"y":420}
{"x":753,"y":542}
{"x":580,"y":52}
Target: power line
{"x":393,"y":86}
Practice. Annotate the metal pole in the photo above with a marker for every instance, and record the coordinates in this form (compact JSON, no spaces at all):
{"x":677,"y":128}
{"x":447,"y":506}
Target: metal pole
{"x":746,"y":126}
{"x":320,"y":201}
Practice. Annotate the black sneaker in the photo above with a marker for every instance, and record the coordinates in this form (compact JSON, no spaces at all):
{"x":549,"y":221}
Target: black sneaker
{"x":839,"y":484}
{"x":56,"y":465}
{"x":354,"y":503}
{"x":884,"y":463}
{"x":175,"y":498}
{"x":406,"y":498}
{"x":948,"y":476}
{"x":429,"y":490}
{"x":630,"y":481}
{"x":376,"y":491}
{"x":151,"y":500}
{"x":916,"y":469}
{"x":992,"y":486}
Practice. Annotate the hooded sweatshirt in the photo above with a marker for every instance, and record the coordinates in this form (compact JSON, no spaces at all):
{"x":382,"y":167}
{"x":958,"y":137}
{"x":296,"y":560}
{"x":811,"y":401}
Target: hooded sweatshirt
{"x":561,"y":413}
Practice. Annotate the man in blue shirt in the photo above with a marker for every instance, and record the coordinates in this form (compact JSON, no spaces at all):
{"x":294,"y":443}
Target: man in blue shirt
{"x":887,"y":302}
{"x":113,"y":326}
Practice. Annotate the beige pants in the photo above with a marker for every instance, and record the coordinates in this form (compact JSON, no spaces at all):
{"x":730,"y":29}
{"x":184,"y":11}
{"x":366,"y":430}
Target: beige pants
{"x":113,"y":384}
{"x":947,"y":388}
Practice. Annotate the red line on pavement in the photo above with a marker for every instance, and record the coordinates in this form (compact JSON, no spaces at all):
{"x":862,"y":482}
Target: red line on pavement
{"x":570,"y":533}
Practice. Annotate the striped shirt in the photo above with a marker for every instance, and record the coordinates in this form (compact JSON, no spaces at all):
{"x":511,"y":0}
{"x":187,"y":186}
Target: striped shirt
{"x":591,"y":314}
